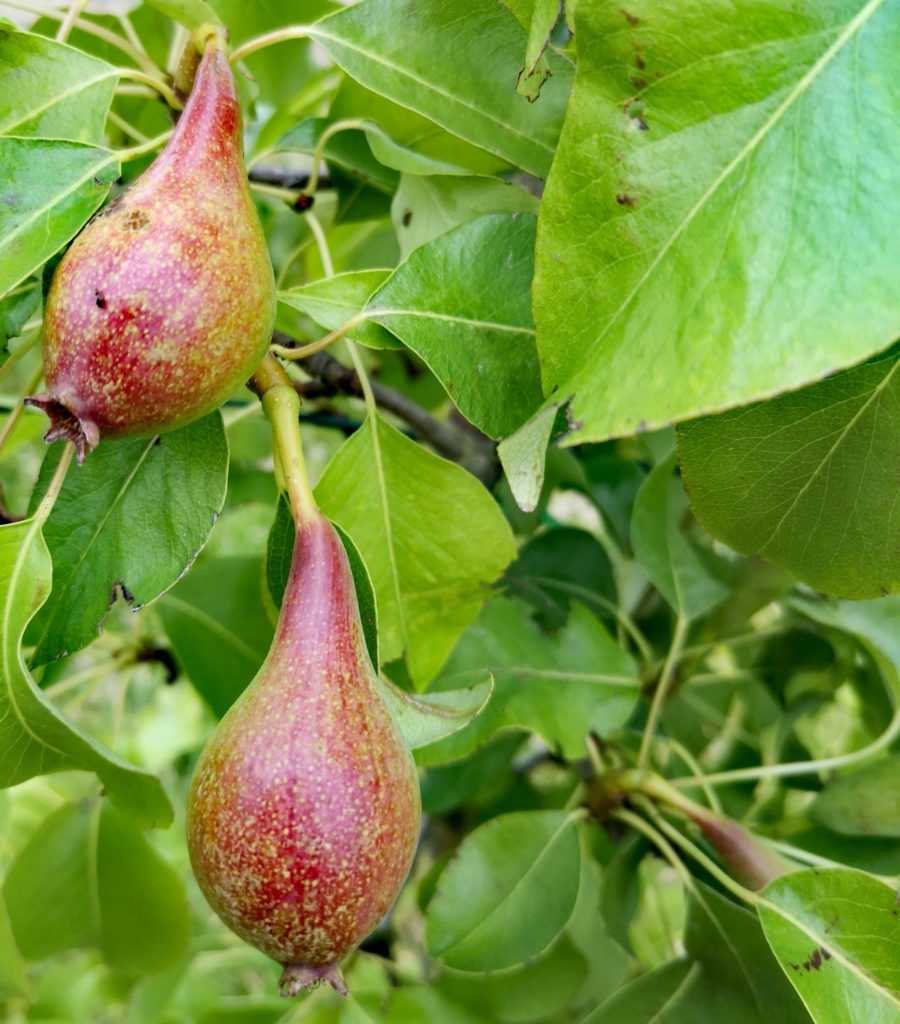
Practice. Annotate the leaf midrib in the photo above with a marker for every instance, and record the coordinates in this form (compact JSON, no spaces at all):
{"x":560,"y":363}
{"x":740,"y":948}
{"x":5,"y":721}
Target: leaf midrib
{"x":101,"y":525}
{"x":841,"y":437}
{"x":549,"y":845}
{"x":316,"y":32}
{"x":58,"y":99}
{"x":214,"y":626}
{"x":852,"y":27}
{"x":836,"y":953}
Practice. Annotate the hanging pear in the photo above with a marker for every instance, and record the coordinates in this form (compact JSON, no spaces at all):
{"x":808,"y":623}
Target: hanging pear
{"x":165,"y":303}
{"x":304,"y":811}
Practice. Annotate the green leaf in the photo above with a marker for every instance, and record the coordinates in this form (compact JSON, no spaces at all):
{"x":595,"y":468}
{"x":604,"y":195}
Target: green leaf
{"x":535,"y":991}
{"x":654,"y":997}
{"x":802,"y":479}
{"x":664,"y":552}
{"x":13,"y":972}
{"x":348,"y":149}
{"x":99,"y":884}
{"x":280,"y":553}
{"x":454,"y":62}
{"x":332,"y":301}
{"x":557,"y":565}
{"x":190,"y":13}
{"x":431,"y":537}
{"x":865,"y":802}
{"x":428,"y":717}
{"x":536,"y":70}
{"x":53,"y":188}
{"x":52,"y":91}
{"x":508,"y":892}
{"x":560,"y":687}
{"x":416,"y":134}
{"x":426,"y":207}
{"x":728,"y":941}
{"x":115,"y":527}
{"x":873,"y":622}
{"x":718,"y":225}
{"x":35,"y":738}
{"x":16,"y":309}
{"x":523,"y":456}
{"x":461,"y":302}
{"x":835,"y":934}
{"x":218,"y":627}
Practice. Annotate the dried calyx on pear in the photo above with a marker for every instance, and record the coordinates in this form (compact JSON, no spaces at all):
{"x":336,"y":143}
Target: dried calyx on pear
{"x":165,"y":303}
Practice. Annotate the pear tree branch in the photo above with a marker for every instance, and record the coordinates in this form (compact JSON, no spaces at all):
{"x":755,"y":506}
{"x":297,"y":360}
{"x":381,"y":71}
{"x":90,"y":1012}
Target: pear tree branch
{"x":331,"y":377}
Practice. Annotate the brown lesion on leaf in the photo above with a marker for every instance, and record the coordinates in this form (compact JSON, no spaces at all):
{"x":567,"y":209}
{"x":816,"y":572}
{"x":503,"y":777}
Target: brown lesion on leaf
{"x":638,"y":83}
{"x":814,"y":961}
{"x":626,"y":199}
{"x":630,"y":17}
{"x":119,"y":587}
{"x":634,"y":108}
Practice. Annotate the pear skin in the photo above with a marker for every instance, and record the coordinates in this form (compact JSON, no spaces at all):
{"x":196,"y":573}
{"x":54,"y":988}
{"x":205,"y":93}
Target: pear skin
{"x":304,"y":811}
{"x":165,"y":303}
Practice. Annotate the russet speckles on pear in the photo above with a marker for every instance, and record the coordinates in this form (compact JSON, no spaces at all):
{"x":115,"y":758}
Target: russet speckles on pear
{"x":165,"y":303}
{"x":304,"y":811}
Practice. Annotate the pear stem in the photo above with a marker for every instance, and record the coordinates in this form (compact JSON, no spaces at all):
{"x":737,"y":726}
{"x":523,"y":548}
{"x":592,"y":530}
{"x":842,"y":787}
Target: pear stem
{"x":154,"y":83}
{"x":52,"y":493}
{"x":348,"y":124}
{"x":13,"y":418}
{"x":72,"y":15}
{"x":282,"y":35}
{"x":281,"y":404}
{"x":316,"y":346}
{"x":662,"y":687}
{"x":24,"y":348}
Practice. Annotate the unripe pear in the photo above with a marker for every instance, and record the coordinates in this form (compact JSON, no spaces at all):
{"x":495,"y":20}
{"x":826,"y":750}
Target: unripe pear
{"x":304,"y":811}
{"x":165,"y":303}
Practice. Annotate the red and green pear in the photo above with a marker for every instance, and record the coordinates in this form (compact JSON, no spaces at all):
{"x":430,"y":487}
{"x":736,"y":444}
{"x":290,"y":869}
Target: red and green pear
{"x":304,"y":812}
{"x":165,"y":303}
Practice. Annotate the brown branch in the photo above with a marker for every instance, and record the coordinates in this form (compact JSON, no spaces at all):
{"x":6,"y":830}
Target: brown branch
{"x":474,"y":451}
{"x":285,"y":178}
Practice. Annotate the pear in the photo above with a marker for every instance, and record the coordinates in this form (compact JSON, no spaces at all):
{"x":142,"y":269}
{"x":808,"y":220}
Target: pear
{"x":304,"y":811}
{"x":165,"y":303}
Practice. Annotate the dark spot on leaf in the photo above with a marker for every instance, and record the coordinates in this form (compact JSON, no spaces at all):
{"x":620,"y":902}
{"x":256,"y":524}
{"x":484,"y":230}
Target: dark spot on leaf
{"x":100,"y":300}
{"x":626,"y":199}
{"x":632,"y":19}
{"x":816,"y":959}
{"x":638,"y":83}
{"x":407,"y":218}
{"x":136,"y":219}
{"x":303,"y":202}
{"x":634,"y":109}
{"x":639,"y":62}
{"x":120,"y":588}
{"x":157,"y":441}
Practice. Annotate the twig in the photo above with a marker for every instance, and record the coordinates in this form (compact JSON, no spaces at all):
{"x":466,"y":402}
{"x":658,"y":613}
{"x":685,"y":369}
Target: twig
{"x":285,"y":178}
{"x":333,"y":378}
